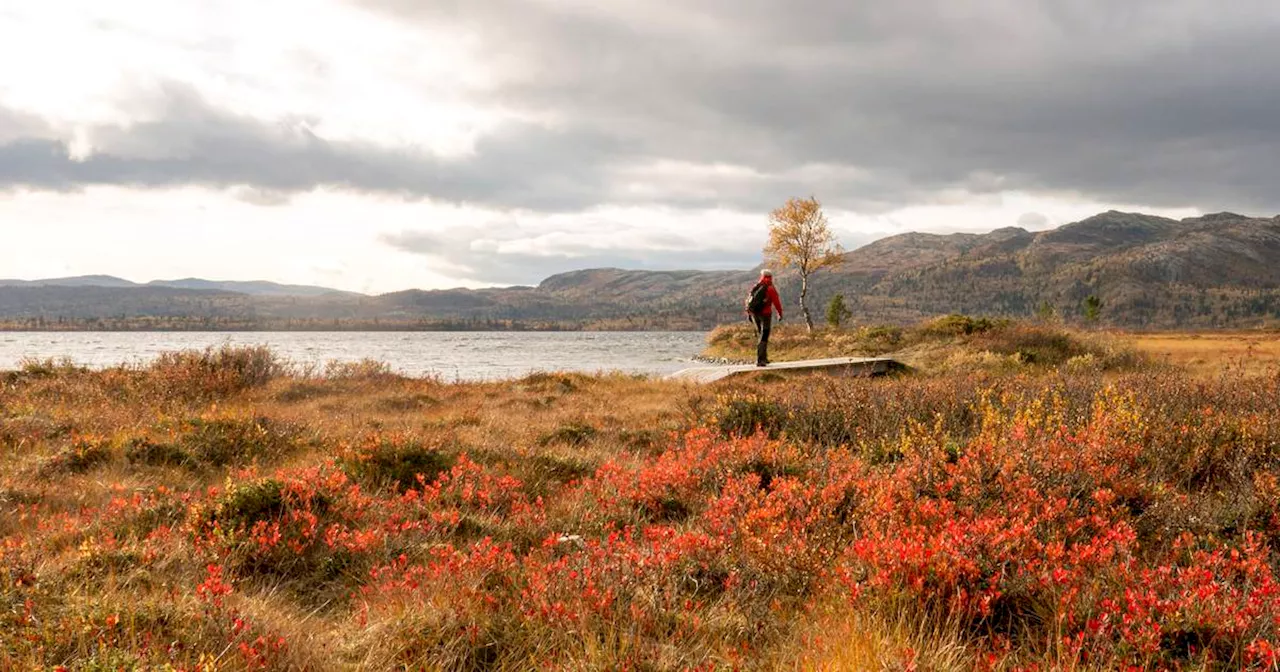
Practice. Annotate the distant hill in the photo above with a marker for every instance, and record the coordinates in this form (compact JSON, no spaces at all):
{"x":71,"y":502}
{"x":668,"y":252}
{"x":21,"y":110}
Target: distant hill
{"x":1150,"y":272}
{"x":253,"y":287}
{"x":78,"y":281}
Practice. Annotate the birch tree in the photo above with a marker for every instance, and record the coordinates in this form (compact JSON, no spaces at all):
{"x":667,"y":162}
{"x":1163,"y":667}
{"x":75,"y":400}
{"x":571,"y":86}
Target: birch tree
{"x":801,"y":238}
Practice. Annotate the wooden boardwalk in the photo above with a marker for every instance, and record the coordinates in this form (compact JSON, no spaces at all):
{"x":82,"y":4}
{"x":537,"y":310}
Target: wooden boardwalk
{"x":839,"y":366}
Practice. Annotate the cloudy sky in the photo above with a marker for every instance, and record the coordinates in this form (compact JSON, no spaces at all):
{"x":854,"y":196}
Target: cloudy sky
{"x":376,"y":145}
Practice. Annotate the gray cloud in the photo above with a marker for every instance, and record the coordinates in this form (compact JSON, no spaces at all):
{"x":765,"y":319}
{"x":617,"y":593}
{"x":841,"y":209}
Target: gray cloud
{"x":193,"y":143}
{"x":16,"y":127}
{"x":871,"y":106}
{"x":1166,"y":102}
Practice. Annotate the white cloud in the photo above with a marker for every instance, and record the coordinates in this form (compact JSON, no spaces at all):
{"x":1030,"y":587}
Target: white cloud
{"x":319,"y":238}
{"x":354,"y":74}
{"x":376,"y":245}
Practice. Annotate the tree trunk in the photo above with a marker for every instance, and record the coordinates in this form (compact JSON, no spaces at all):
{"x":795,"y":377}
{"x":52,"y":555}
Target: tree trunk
{"x":804,"y":305}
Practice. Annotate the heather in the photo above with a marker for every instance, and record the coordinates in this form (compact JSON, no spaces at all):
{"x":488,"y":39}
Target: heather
{"x":225,"y":511}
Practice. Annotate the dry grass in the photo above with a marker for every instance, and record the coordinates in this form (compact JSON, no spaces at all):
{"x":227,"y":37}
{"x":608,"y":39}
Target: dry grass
{"x":955,"y":343}
{"x":839,"y":639}
{"x":76,"y":445}
{"x":222,"y":512}
{"x":1213,"y":353}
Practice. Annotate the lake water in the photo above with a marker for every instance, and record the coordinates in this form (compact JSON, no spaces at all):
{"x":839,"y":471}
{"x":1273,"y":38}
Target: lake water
{"x":450,"y":355}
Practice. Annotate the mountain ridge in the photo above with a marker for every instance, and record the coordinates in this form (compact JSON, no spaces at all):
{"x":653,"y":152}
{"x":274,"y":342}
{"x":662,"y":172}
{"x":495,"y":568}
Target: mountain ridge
{"x":1217,"y":269}
{"x":251,"y":287}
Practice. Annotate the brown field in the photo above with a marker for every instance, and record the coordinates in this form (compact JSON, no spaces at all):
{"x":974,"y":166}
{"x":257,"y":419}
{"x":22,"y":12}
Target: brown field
{"x":1212,"y":353}
{"x":1029,"y":498}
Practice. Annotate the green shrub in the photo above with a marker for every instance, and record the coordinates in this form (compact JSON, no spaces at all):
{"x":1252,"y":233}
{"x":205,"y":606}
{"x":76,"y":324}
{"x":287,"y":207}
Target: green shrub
{"x":880,"y":338}
{"x":744,"y":416}
{"x":640,"y":440}
{"x":83,"y":455}
{"x":145,"y":451}
{"x":961,"y":325}
{"x":398,"y":465}
{"x":560,"y":469}
{"x":247,"y":503}
{"x":570,"y":434}
{"x":223,"y":441}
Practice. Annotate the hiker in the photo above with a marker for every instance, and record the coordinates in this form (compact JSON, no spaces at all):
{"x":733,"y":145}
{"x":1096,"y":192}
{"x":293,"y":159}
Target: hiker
{"x":760,"y":304}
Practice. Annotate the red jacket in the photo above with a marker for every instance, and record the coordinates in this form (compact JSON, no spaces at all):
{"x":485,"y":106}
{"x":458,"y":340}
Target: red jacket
{"x":773,"y":301}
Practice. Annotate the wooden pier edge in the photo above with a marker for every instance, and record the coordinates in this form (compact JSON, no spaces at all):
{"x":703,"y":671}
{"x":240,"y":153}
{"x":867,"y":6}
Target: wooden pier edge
{"x":839,"y":366}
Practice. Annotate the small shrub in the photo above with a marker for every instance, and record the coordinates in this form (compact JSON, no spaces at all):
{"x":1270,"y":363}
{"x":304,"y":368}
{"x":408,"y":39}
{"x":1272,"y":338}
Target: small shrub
{"x":83,"y":455}
{"x":1036,"y":345}
{"x":167,"y":512}
{"x":983,"y":360}
{"x":247,"y":503}
{"x":768,"y":470}
{"x":551,"y":382}
{"x":404,"y":403}
{"x":302,"y":391}
{"x":1086,"y":363}
{"x":570,"y":434}
{"x":216,"y":372}
{"x":639,"y":440}
{"x":745,"y":416}
{"x":961,"y":325}
{"x":223,"y":441}
{"x":363,"y":370}
{"x":46,"y":368}
{"x":396,"y":464}
{"x":560,"y":469}
{"x":32,"y":428}
{"x":881,"y":337}
{"x":822,"y":426}
{"x":145,"y":451}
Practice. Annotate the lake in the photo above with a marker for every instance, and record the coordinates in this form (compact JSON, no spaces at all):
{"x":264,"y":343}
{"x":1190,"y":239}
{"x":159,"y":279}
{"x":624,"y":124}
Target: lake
{"x":451,"y":355}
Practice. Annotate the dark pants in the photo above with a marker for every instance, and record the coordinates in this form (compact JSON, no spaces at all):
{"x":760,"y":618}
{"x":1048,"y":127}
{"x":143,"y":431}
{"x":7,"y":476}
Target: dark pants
{"x":764,"y":323}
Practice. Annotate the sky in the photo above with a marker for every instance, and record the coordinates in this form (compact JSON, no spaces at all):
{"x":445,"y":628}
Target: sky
{"x":379,"y":145}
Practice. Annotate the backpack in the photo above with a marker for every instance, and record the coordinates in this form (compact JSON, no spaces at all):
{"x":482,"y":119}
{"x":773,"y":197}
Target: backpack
{"x":758,"y":299}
